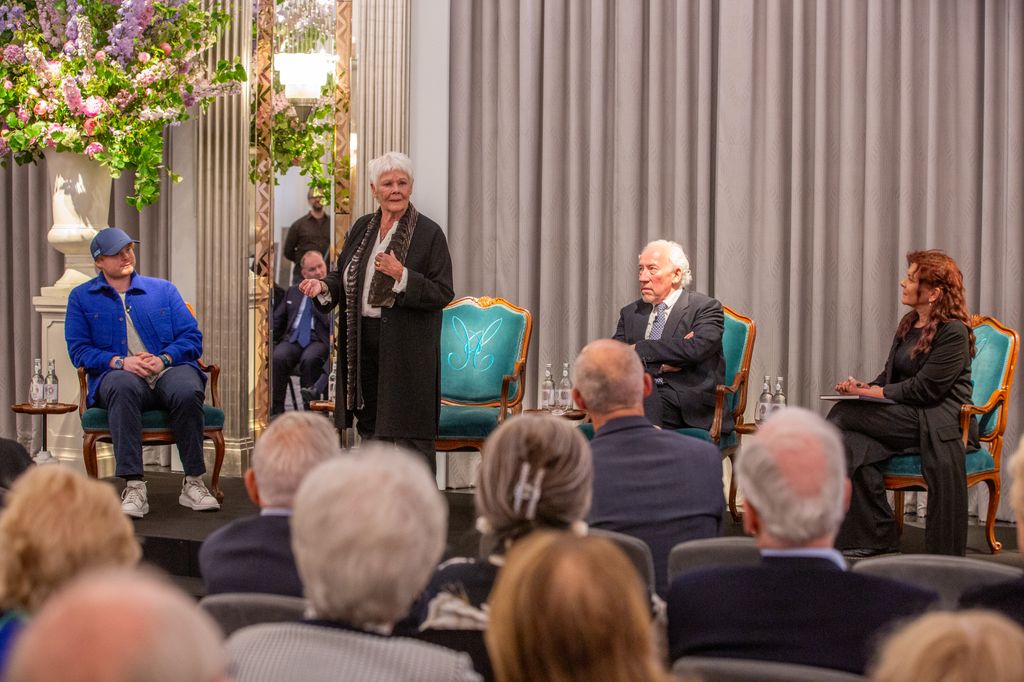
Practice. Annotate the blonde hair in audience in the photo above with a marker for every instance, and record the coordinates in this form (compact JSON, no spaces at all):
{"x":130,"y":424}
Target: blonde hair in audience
{"x":954,"y":647}
{"x":570,"y":608}
{"x":368,"y":530}
{"x":528,"y":454}
{"x":294,"y":443}
{"x":57,"y":523}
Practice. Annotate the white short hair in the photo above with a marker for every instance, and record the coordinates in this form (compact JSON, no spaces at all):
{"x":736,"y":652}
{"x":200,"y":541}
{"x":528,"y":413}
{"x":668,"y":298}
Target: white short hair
{"x":676,"y":255}
{"x":784,"y":512}
{"x":368,"y":530}
{"x":609,"y":375}
{"x":387,"y":162}
{"x":292,"y":445}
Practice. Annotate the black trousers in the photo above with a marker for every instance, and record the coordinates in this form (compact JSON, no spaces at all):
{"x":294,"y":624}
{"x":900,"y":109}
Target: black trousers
{"x":366,"y":418}
{"x":871,"y":434}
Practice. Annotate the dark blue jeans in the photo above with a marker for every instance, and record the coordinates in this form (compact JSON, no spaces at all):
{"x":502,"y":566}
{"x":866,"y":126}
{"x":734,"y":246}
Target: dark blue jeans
{"x":126,"y":396}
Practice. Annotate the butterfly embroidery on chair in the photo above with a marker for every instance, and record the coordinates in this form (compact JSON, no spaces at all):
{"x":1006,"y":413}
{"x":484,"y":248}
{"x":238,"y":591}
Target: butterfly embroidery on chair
{"x":472,"y":345}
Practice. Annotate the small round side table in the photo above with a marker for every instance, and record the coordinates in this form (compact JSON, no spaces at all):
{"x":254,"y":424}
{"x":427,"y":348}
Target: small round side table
{"x":44,"y":456}
{"x":572,"y":415}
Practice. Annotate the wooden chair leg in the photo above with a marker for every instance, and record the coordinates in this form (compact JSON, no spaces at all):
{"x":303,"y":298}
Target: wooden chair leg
{"x":730,"y":454}
{"x":898,"y":499}
{"x":89,"y":454}
{"x":218,"y":460}
{"x":990,"y":518}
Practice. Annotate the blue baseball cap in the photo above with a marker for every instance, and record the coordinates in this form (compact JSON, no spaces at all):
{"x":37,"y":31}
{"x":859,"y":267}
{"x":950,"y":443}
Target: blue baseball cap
{"x":109,"y":241}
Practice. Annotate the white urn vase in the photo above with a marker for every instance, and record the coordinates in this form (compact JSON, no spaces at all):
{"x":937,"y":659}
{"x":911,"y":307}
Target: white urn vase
{"x":80,"y":193}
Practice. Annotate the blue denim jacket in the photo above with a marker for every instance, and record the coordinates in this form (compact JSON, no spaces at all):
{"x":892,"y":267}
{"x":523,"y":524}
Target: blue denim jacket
{"x":95,"y":328}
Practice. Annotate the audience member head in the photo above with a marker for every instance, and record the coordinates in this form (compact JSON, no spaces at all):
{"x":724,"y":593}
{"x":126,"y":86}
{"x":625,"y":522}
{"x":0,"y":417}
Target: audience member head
{"x":58,"y":523}
{"x":292,"y":445}
{"x":1017,"y":492}
{"x":115,"y":625}
{"x":535,"y":472}
{"x":312,"y":265}
{"x":793,"y":474}
{"x":570,"y":608}
{"x":368,"y":530}
{"x":609,"y":379}
{"x":963,"y":646}
{"x":14,"y":461}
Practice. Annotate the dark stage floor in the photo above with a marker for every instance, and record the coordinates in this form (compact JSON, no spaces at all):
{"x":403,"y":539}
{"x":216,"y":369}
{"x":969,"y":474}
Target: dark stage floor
{"x":171,"y":534}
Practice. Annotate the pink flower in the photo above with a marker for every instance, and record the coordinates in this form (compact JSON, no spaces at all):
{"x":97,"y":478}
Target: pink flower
{"x":33,"y":92}
{"x":8,"y":85}
{"x":101,"y":56}
{"x":40,"y":108}
{"x":144,"y":57}
{"x":89,"y":126}
{"x":93,"y":149}
{"x":93,"y":106}
{"x":166,"y":48}
{"x":23,"y":114}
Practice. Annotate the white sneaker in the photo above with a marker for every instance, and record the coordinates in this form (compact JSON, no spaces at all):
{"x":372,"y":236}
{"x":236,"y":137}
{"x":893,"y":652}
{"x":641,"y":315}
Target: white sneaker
{"x":134,"y":501}
{"x":196,"y":497}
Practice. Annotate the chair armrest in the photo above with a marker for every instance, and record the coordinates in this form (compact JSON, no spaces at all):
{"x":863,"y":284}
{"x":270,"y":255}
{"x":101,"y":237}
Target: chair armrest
{"x":721,"y":390}
{"x":83,"y":390}
{"x":214,"y":372}
{"x":968,"y":411}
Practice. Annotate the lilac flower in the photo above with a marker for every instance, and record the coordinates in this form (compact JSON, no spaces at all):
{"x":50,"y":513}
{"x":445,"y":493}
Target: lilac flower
{"x":71,"y":28}
{"x":14,"y":54}
{"x":159,"y":113}
{"x":49,"y":22}
{"x":84,"y":40}
{"x":93,"y":149}
{"x":133,"y":17}
{"x":72,"y":96}
{"x":157,"y":72}
{"x":11,"y":17}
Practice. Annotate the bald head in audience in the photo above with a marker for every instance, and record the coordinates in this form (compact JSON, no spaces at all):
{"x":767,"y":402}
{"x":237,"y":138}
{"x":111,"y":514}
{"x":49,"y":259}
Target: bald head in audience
{"x":793,"y":473}
{"x":120,"y":625}
{"x":610,"y":381}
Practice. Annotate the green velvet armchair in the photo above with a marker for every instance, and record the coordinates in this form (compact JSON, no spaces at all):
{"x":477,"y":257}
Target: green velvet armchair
{"x":484,"y":344}
{"x":992,"y":375}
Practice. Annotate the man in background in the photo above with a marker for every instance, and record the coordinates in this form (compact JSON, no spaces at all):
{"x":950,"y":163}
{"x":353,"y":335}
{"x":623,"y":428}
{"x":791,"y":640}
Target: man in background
{"x":311,"y":232}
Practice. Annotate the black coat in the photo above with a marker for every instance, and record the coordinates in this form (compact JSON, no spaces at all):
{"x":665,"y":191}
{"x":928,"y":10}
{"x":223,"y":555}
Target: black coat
{"x":409,"y":386}
{"x":700,"y":358}
{"x":252,"y":554}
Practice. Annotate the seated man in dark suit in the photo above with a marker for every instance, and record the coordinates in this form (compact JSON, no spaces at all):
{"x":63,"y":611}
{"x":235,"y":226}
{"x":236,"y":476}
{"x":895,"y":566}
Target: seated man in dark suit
{"x":302,"y":335}
{"x":254,"y":554}
{"x":800,"y":604}
{"x":659,"y":486}
{"x":1008,"y":597}
{"x":678,"y":336}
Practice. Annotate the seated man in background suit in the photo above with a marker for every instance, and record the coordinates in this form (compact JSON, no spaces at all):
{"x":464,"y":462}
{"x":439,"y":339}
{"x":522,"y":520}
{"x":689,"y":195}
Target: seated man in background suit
{"x":800,"y":604}
{"x":302,"y":335}
{"x":254,"y":554}
{"x":1008,"y":597}
{"x":678,"y":336}
{"x":659,"y":486}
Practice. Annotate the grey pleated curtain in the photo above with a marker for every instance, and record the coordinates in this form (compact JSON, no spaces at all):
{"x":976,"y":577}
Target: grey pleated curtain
{"x":797,"y":150}
{"x":28,"y":262}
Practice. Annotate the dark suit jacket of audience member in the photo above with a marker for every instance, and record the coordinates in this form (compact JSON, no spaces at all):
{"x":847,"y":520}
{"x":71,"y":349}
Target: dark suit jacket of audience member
{"x":793,"y":610}
{"x":251,"y":555}
{"x":1006,"y":598}
{"x":700,"y":358}
{"x":659,"y":486}
{"x":284,"y":318}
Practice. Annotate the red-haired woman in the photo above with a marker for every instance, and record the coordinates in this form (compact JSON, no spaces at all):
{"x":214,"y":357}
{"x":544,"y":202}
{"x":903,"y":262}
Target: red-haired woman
{"x":928,"y":377}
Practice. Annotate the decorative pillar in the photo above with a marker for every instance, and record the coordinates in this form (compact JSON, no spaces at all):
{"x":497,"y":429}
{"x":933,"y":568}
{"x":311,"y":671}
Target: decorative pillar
{"x":224,"y":239}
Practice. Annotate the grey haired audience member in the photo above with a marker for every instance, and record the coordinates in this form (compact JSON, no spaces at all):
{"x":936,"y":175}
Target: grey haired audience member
{"x":117,"y":625}
{"x":368,"y":529}
{"x":292,"y":445}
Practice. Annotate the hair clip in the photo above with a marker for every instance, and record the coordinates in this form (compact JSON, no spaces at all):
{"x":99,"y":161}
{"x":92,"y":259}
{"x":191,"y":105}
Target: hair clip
{"x":527,"y":492}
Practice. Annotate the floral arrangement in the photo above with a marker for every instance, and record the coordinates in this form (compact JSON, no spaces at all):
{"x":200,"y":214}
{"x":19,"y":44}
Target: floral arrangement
{"x":104,"y":78}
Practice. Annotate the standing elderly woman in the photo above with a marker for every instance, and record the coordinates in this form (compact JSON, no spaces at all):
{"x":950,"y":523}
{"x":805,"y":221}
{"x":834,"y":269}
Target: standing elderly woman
{"x":393,"y":279}
{"x":927,"y":377}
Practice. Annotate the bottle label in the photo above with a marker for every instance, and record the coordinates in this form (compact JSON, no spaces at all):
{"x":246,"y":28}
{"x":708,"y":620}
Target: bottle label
{"x":36,"y":393}
{"x":565,"y":397}
{"x":547,"y":397}
{"x":51,"y":393}
{"x":763,"y":410}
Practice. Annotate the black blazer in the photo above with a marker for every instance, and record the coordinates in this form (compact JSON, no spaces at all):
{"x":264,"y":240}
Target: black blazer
{"x":284,"y":318}
{"x":700,"y":358}
{"x":793,"y":610}
{"x":253,"y":554}
{"x":1006,"y":598}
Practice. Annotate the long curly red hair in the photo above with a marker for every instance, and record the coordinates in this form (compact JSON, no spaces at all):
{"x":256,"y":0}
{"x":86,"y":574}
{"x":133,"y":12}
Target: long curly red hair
{"x":936,"y":270}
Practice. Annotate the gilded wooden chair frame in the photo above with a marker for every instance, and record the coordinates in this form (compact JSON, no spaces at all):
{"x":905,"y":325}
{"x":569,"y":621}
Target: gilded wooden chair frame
{"x":739,"y":387}
{"x":509,"y":405}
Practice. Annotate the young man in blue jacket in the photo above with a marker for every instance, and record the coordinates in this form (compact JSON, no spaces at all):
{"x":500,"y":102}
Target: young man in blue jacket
{"x":139,"y":343}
